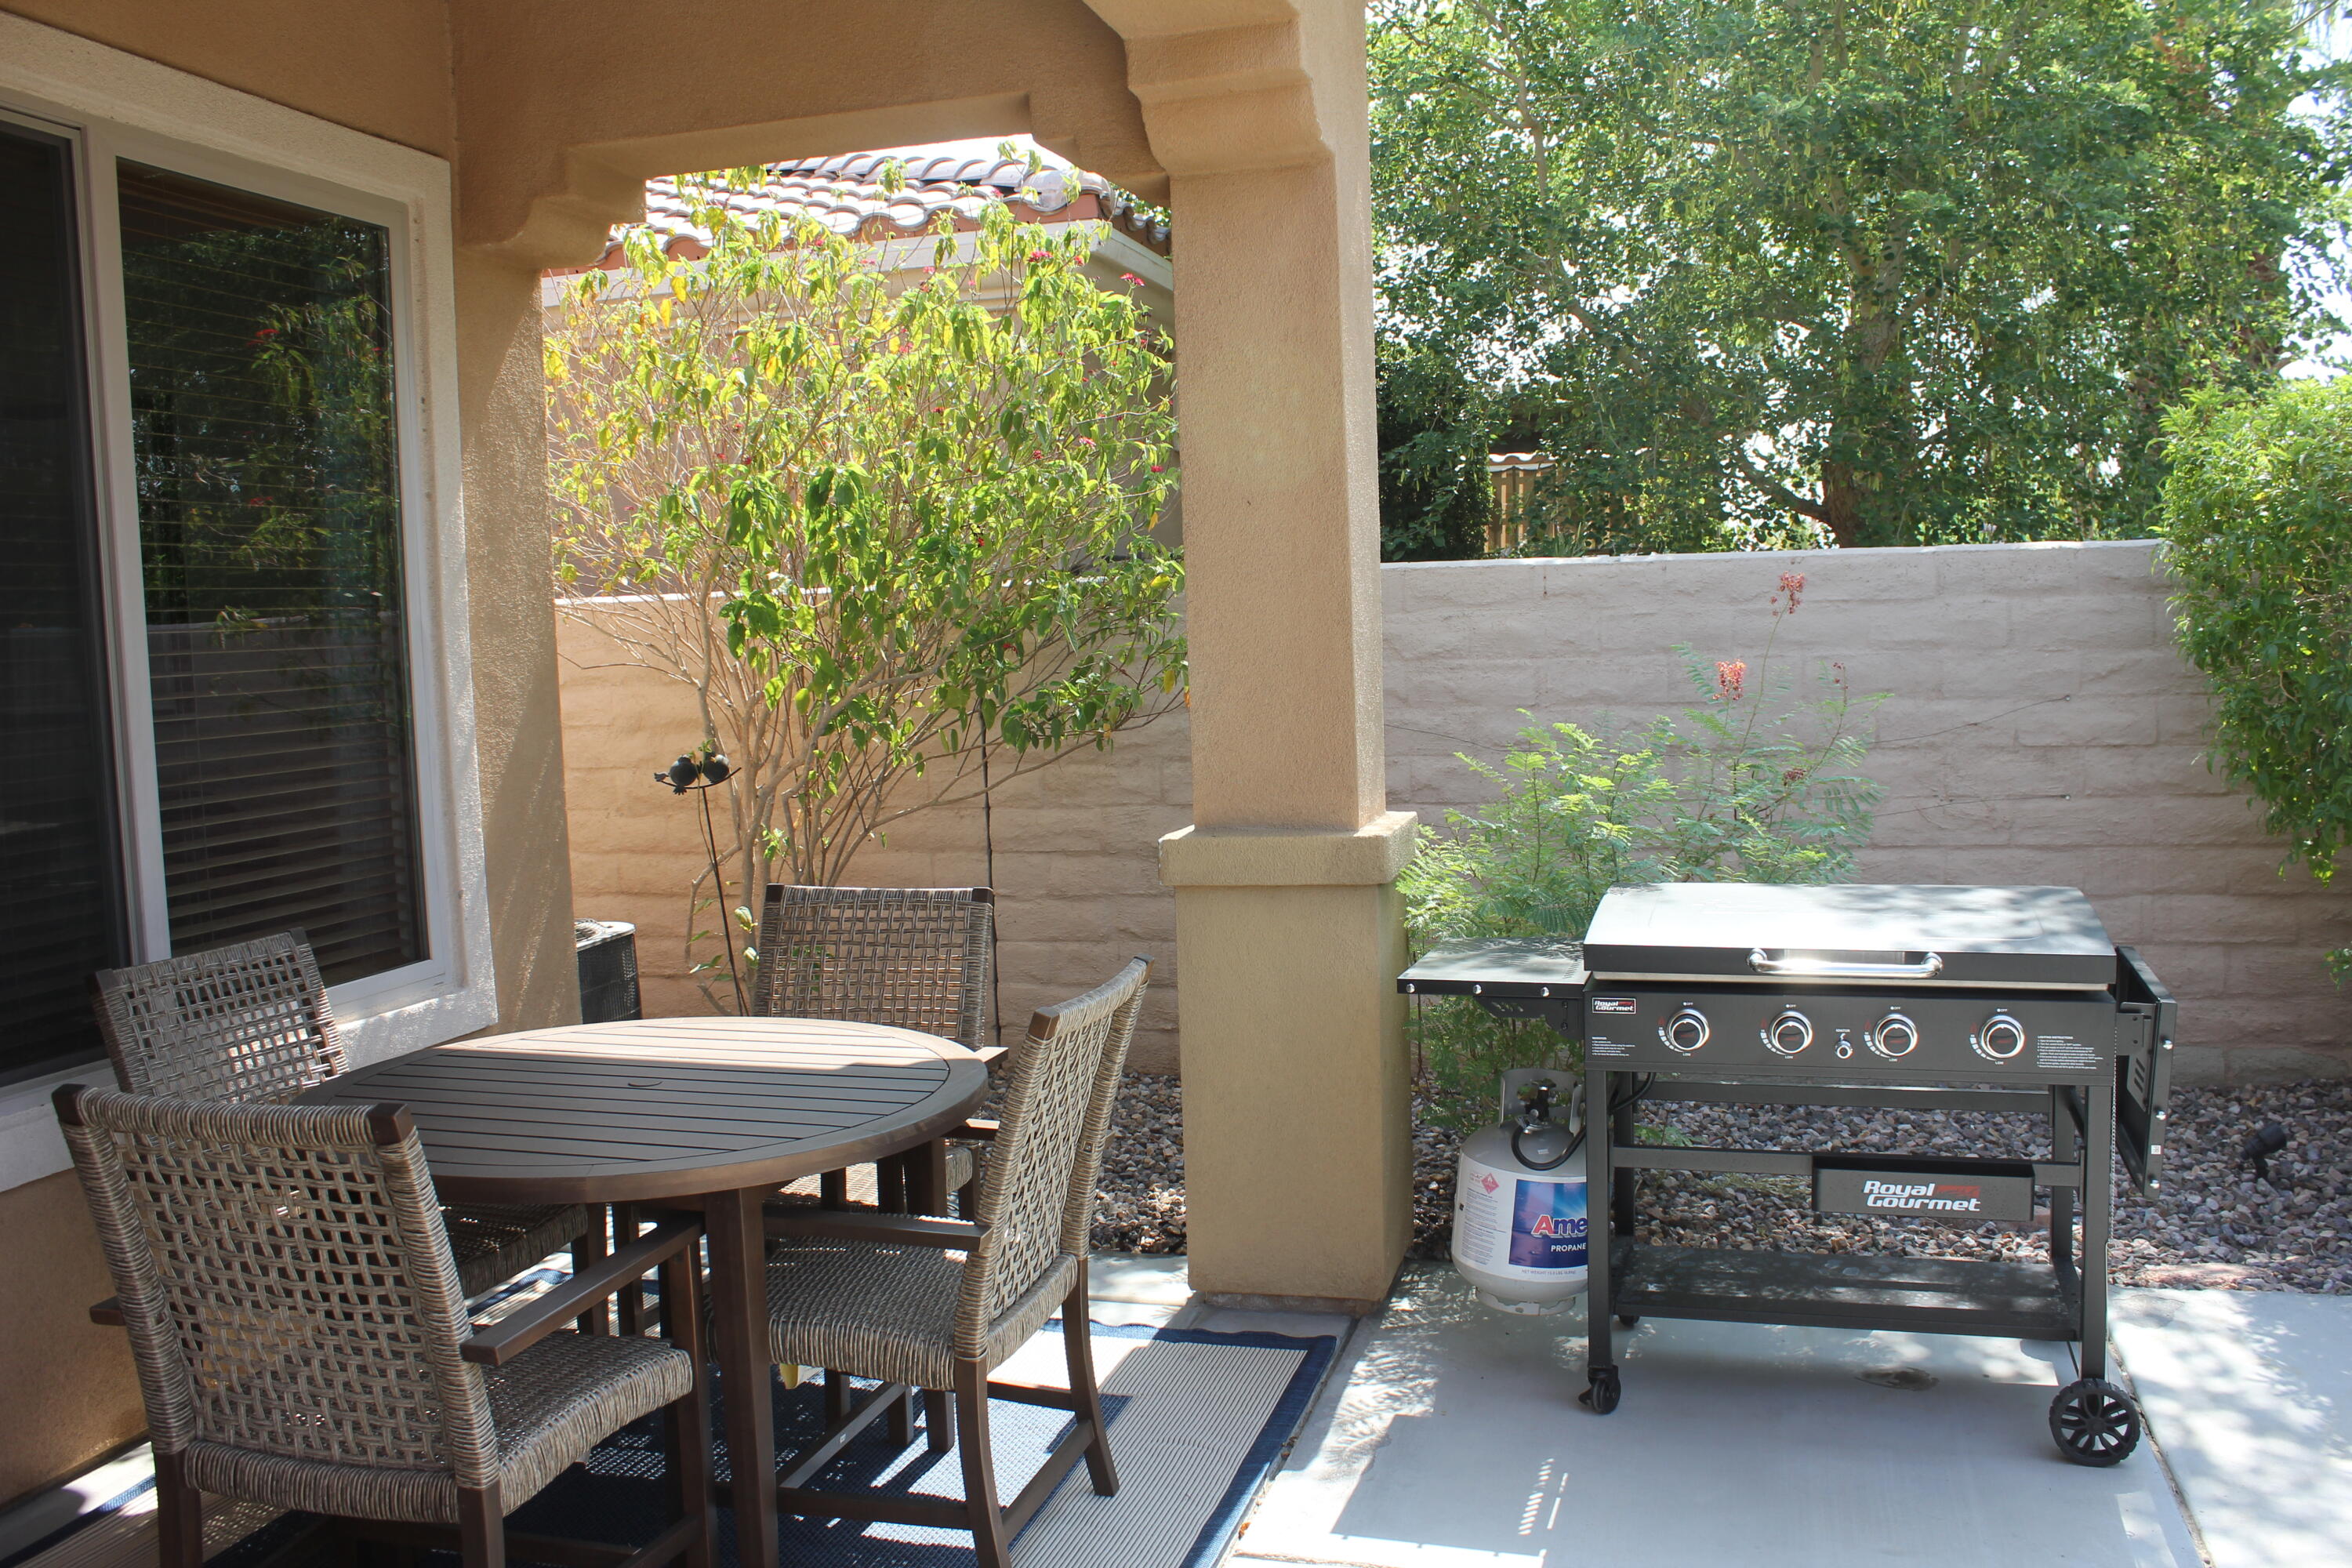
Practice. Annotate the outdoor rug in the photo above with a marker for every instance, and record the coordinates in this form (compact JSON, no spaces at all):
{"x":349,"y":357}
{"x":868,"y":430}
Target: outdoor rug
{"x":1198,"y":1421}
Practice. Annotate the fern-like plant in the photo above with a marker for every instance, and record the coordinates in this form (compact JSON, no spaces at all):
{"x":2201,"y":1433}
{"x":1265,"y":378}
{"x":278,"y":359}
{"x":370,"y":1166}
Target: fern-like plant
{"x":1746,"y":785}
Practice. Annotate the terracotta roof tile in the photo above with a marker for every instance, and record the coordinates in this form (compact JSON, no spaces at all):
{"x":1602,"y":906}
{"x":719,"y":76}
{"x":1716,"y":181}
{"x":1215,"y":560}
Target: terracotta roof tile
{"x":844,"y":193}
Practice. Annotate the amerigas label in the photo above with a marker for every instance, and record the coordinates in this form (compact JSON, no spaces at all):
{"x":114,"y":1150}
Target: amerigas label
{"x":1519,"y":1225}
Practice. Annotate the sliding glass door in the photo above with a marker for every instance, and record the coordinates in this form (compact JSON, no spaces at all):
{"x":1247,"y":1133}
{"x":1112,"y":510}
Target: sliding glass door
{"x":61,"y":887}
{"x":207,"y":725}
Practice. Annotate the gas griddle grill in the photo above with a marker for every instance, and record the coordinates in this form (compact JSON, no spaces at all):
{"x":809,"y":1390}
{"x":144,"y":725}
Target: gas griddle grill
{"x":1930,"y":998}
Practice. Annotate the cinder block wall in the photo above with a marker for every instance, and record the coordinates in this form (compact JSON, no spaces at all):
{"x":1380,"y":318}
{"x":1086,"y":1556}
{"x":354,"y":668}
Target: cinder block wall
{"x":2038,"y":727}
{"x":1075,"y":862}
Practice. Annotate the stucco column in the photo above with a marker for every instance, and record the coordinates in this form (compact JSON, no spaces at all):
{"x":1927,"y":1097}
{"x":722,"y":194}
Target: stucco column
{"x":1298,"y":1151}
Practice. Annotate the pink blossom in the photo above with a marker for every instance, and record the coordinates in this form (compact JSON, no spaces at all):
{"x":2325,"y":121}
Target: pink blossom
{"x":1791,"y":775}
{"x":1792,"y":584}
{"x":1729,"y":676}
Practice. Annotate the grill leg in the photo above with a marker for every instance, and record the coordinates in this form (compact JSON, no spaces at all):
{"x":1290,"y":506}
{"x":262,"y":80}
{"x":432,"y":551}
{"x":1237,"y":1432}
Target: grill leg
{"x":2098,"y":1216}
{"x":1624,"y":1186}
{"x":2063,"y":1147}
{"x":1600,"y":1299}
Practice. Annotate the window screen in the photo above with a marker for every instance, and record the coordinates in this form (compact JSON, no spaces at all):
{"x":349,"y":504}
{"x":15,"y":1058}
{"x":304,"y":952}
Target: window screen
{"x":264,"y":438}
{"x":60,"y":914}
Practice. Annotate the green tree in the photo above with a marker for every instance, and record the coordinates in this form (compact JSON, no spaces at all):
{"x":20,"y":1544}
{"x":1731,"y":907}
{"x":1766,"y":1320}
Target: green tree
{"x":2258,"y":517}
{"x":1776,"y":271}
{"x":887,"y":534}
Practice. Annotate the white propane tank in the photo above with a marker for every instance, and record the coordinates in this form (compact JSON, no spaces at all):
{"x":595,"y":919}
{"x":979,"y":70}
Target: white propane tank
{"x":1519,"y":1207}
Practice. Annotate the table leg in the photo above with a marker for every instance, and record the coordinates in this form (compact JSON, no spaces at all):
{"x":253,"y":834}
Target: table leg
{"x":926,"y":1177}
{"x":739,"y":1302}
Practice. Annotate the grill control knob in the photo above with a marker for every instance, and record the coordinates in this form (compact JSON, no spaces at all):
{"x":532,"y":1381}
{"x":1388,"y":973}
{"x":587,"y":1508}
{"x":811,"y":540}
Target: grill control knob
{"x":2001,"y":1038}
{"x":1789,"y":1032}
{"x":1686,"y":1031}
{"x":1894,"y":1035}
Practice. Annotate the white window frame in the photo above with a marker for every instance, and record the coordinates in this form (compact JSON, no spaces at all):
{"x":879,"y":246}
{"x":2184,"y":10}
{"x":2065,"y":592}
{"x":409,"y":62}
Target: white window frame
{"x":113,"y":105}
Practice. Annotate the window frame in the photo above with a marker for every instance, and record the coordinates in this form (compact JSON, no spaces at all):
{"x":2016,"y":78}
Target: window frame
{"x":111,"y":106}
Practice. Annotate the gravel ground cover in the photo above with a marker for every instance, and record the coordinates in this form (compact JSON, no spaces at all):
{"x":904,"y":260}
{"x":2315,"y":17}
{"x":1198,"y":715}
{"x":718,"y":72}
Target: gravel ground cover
{"x":2211,"y":1224}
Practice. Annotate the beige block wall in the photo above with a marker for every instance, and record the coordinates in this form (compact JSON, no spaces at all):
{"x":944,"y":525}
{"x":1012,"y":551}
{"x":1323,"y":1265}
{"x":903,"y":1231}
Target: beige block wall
{"x":1076,"y":870}
{"x":2039,"y":726}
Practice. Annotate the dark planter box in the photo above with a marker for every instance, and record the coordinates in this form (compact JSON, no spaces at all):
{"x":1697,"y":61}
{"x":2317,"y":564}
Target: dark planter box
{"x":608,"y":971}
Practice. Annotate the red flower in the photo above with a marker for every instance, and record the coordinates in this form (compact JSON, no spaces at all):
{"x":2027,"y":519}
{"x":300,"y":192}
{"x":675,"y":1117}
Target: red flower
{"x":1729,"y":676}
{"x":1791,"y":775}
{"x":265,"y":332}
{"x":1037,"y":256}
{"x":1792,"y":584}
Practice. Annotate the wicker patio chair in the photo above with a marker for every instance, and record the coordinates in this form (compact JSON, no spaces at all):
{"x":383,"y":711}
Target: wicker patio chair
{"x":939,"y":1304}
{"x":301,"y":1342}
{"x":914,"y":958}
{"x":249,"y":1022}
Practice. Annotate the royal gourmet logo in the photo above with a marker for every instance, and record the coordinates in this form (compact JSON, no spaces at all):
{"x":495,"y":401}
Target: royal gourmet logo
{"x":1943,"y":1197}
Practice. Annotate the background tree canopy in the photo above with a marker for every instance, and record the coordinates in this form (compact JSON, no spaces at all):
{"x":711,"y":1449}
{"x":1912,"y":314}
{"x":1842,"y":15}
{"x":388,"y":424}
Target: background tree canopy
{"x":1759,"y":272}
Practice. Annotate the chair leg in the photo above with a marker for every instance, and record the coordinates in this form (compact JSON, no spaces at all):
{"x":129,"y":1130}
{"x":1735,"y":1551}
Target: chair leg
{"x":938,"y":1418}
{"x":1085,"y":1395}
{"x":631,"y":1302}
{"x":179,"y":1515}
{"x":481,"y":1528}
{"x":588,"y":1249}
{"x":902,"y":1420}
{"x":987,"y":1520}
{"x":685,"y":1424}
{"x":836,"y":1398}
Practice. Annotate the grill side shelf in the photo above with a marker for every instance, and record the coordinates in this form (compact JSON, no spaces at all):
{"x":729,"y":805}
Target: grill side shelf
{"x":2143,"y":1077}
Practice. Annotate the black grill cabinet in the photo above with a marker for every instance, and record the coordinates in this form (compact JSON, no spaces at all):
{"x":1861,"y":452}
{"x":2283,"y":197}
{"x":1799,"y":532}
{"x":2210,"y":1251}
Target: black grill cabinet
{"x":1933,"y":999}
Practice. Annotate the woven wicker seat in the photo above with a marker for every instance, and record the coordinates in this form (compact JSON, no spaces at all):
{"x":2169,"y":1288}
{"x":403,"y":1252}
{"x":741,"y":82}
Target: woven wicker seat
{"x":250,"y":1022}
{"x":939,"y":1304}
{"x":913,"y":958}
{"x":301,"y":1340}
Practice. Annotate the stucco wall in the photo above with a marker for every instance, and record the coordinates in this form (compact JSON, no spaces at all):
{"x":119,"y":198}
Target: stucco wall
{"x":1074,"y":865}
{"x":2038,"y":727}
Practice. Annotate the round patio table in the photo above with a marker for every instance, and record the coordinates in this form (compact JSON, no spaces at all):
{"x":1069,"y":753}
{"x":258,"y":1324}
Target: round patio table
{"x":707,"y":1113}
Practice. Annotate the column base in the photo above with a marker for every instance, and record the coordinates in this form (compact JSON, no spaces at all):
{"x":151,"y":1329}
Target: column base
{"x":1298,"y":1137}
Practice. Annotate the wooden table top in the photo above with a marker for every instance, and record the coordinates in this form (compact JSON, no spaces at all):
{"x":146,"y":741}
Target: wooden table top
{"x":667,"y":1108}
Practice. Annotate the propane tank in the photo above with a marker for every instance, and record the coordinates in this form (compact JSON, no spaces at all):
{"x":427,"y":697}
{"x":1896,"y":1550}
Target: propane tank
{"x":1518,"y":1208}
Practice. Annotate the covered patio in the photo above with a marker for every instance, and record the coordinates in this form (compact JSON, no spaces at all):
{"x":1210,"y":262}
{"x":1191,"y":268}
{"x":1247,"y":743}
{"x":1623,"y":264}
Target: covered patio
{"x":504,"y":142}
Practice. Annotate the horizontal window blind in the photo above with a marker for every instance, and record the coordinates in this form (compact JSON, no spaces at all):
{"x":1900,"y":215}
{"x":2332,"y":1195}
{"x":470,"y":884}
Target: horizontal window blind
{"x":266,"y":456}
{"x":60,"y":909}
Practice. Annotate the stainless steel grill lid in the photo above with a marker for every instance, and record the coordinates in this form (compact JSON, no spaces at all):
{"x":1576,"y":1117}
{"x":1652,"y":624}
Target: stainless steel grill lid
{"x":1885,"y":935}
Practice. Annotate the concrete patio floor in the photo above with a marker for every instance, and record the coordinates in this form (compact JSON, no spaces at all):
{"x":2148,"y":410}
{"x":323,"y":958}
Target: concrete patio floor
{"x":1449,"y":1436}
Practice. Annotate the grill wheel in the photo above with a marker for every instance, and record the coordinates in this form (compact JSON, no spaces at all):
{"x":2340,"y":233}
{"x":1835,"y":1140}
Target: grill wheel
{"x":2094,"y":1422}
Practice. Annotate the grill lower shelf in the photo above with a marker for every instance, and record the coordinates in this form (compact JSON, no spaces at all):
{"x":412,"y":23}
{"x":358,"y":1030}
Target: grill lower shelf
{"x":1843,"y":1290}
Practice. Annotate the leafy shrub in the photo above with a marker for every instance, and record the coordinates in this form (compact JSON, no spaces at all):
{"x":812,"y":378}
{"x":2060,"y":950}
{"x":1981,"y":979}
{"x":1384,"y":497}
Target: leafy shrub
{"x":1745,"y":787}
{"x":2258,"y":513}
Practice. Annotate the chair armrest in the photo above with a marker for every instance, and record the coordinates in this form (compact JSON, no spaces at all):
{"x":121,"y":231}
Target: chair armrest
{"x":899,"y":1230}
{"x":977,"y":1130}
{"x":106,"y":1313}
{"x":501,"y":1341}
{"x":989,"y":1054}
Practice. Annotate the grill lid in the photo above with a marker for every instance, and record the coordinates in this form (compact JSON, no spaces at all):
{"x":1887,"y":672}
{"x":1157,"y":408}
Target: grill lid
{"x":1889,"y":935}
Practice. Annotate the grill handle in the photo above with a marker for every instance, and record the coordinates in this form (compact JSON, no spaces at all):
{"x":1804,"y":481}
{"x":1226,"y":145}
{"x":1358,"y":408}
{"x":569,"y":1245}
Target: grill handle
{"x":1763,"y":962}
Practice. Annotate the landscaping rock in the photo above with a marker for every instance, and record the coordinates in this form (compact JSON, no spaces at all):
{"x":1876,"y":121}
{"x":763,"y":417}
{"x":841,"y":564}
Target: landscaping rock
{"x":2210,"y":1225}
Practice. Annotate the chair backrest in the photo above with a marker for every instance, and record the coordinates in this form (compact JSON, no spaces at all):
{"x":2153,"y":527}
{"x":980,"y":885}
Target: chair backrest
{"x":915,"y":958}
{"x":1037,"y":1189}
{"x":285,"y":1280}
{"x":246,"y":1022}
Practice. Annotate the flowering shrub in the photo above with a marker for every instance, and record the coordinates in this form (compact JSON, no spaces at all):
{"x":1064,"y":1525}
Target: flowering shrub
{"x":1747,"y":787}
